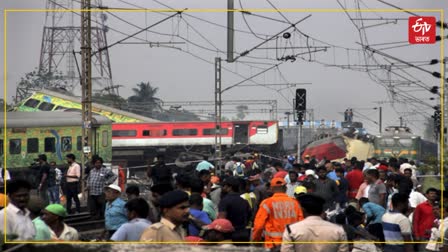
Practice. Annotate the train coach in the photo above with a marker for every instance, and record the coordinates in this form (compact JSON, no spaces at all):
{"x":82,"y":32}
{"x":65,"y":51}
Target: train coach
{"x":135,"y":141}
{"x":55,"y":134}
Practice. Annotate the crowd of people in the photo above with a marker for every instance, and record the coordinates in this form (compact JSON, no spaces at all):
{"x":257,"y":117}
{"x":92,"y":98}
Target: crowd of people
{"x":282,"y":204}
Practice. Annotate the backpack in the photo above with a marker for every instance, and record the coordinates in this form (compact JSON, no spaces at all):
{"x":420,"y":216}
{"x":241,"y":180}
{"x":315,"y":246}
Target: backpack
{"x":239,"y":169}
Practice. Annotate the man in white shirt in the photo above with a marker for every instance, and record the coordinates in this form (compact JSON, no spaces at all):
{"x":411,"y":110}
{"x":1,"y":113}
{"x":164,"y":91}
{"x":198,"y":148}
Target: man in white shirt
{"x":18,"y":221}
{"x":73,"y":176}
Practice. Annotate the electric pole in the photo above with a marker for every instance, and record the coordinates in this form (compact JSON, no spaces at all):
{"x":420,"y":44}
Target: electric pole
{"x":218,"y":104}
{"x":86,"y":82}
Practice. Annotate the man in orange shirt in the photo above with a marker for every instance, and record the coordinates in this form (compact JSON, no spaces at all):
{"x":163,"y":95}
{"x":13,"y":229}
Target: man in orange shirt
{"x":274,"y":214}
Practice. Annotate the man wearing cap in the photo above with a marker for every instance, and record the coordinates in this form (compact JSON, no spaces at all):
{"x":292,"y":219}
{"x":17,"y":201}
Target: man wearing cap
{"x":36,"y":205}
{"x":274,"y":214}
{"x":313,"y":230}
{"x":53,"y":215}
{"x":300,"y":190}
{"x":175,"y":211}
{"x":220,"y":232}
{"x":115,"y":214}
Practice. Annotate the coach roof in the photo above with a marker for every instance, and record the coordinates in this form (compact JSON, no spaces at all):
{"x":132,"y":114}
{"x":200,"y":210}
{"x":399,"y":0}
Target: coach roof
{"x":47,"y":119}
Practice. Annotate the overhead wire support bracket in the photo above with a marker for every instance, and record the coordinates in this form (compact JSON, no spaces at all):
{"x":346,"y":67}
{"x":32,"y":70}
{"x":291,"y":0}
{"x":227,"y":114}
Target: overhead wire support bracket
{"x":270,"y":38}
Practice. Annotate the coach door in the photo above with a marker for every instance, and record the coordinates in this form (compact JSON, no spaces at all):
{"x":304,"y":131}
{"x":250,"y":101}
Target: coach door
{"x":241,"y":133}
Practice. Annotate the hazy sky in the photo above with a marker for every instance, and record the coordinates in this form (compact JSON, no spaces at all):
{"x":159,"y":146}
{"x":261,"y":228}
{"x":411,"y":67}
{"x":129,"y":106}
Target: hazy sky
{"x":183,"y":73}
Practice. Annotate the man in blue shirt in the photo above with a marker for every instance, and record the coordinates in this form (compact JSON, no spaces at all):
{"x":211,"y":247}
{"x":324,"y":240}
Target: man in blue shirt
{"x":115,"y":214}
{"x":331,"y":173}
{"x":374,"y":214}
{"x":204,"y":165}
{"x":200,"y":217}
{"x":137,"y":211}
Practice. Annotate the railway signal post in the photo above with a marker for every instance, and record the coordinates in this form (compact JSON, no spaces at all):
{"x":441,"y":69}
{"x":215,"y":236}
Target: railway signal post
{"x":301,"y":109}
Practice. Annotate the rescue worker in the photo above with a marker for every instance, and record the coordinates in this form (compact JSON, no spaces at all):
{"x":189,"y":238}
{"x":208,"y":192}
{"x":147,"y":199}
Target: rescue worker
{"x":175,"y":211}
{"x":274,"y":214}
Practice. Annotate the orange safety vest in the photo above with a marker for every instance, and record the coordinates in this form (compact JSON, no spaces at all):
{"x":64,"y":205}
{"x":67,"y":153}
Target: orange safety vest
{"x":272,"y":217}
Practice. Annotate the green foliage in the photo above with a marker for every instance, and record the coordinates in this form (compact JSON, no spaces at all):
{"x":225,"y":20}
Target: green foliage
{"x":37,"y":80}
{"x":144,"y":100}
{"x":111,"y":100}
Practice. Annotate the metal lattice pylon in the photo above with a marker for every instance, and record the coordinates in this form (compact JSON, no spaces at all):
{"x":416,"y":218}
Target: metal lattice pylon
{"x":61,"y":37}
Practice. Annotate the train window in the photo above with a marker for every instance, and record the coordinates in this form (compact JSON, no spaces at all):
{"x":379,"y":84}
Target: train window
{"x":50,"y":144}
{"x":124,"y":133}
{"x":262,"y":129}
{"x":60,"y":108}
{"x":154,"y":133}
{"x":104,"y":138}
{"x":32,"y":145}
{"x":32,"y":103}
{"x":1,"y":146}
{"x":79,"y":143}
{"x":15,"y":146}
{"x":46,"y":106}
{"x":66,"y":143}
{"x":209,"y":132}
{"x":185,"y":132}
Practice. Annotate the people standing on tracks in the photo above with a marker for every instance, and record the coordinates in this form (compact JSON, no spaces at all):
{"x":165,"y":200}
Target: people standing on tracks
{"x":313,"y":229}
{"x":18,"y":216}
{"x":44,"y":171}
{"x":36,"y":205}
{"x":397,"y":227}
{"x":159,"y":172}
{"x":326,"y":188}
{"x":72,"y":186}
{"x":53,"y":188}
{"x":99,"y":177}
{"x":115,"y":214}
{"x":204,"y":165}
{"x":137,"y":212}
{"x":175,"y":211}
{"x":423,"y":219}
{"x":235,"y":209}
{"x":54,"y":215}
{"x":274,"y":214}
{"x":55,"y":191}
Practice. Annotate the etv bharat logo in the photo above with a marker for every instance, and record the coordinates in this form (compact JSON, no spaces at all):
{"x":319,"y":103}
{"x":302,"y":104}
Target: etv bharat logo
{"x":422,"y":30}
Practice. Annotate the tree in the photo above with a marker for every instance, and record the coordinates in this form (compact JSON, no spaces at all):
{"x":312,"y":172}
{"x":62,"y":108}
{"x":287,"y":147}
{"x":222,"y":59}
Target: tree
{"x":144,"y":100}
{"x":111,"y":100}
{"x":241,"y":111}
{"x":37,"y":80}
{"x":428,"y":134}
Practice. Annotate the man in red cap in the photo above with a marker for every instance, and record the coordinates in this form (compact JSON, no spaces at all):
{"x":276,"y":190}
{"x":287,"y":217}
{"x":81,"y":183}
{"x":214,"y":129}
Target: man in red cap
{"x":274,"y":214}
{"x":220,"y":231}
